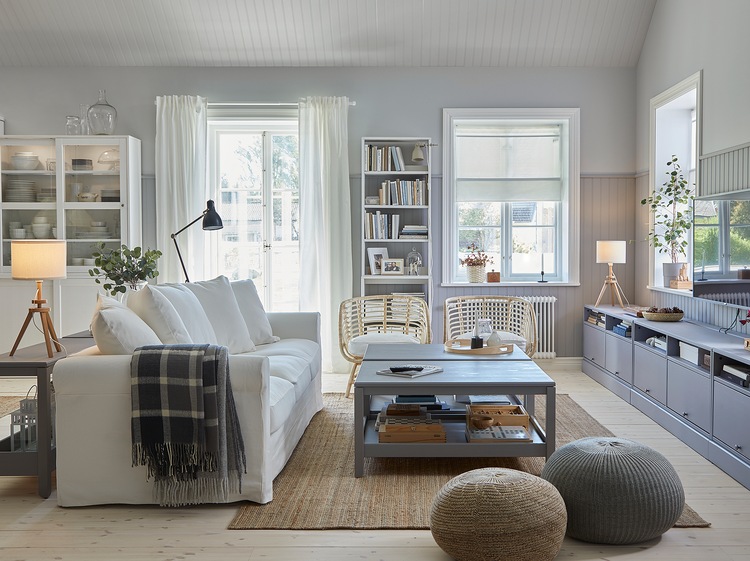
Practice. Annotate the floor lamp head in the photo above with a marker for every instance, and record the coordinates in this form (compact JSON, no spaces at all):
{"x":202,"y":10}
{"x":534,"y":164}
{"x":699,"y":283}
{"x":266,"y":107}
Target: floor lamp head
{"x":211,"y":221}
{"x":38,"y":260}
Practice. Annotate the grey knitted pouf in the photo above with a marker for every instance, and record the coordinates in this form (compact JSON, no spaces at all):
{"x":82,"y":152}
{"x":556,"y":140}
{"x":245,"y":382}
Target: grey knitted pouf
{"x":491,"y":514}
{"x":616,"y":491}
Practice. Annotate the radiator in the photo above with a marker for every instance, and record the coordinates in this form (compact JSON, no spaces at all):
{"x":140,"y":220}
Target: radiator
{"x":544,"y":307}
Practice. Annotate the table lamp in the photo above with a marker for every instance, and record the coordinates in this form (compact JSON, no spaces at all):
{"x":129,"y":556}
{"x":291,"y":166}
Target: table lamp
{"x":211,"y":221}
{"x":38,"y":260}
{"x":610,"y":252}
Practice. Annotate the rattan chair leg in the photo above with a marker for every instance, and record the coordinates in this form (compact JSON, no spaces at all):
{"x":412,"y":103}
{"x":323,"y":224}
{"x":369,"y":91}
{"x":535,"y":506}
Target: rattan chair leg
{"x":352,"y":377}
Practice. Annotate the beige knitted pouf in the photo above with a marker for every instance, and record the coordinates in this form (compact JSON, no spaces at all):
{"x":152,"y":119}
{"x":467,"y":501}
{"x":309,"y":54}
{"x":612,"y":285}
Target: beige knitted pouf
{"x":491,"y":514}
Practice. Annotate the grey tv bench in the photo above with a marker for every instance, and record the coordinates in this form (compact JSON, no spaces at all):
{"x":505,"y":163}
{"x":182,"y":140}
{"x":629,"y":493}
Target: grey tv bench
{"x":687,"y":396}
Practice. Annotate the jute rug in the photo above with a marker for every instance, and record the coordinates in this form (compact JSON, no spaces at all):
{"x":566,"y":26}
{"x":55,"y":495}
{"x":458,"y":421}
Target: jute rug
{"x":8,"y":404}
{"x":317,"y":489}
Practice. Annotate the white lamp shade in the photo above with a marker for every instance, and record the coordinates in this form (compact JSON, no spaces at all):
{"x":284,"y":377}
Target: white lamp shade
{"x":609,"y":251}
{"x":38,"y":259}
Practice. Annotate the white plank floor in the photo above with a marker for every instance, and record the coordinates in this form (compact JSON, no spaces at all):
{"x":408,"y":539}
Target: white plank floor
{"x":35,"y":529}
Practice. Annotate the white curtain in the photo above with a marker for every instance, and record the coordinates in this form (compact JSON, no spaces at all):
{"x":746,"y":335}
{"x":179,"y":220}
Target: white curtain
{"x":325,"y":217}
{"x":181,"y":191}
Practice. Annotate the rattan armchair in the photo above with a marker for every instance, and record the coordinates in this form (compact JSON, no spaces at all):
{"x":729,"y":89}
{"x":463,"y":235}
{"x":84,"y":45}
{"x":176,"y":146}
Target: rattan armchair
{"x":507,"y":313}
{"x":380,"y":319}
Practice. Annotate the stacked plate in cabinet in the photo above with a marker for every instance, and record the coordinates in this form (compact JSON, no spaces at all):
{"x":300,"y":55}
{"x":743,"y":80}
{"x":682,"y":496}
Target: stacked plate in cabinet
{"x":19,"y":191}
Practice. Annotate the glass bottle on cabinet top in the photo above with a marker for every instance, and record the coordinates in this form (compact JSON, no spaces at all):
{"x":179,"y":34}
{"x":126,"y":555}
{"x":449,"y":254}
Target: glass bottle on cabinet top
{"x":396,"y":221}
{"x":101,"y":117}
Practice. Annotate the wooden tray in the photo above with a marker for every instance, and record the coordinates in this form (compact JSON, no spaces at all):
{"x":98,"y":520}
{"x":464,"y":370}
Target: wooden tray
{"x":506,"y":415}
{"x":463,"y":346}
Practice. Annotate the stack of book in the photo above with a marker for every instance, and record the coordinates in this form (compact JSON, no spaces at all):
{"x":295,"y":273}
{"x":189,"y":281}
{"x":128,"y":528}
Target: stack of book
{"x":596,"y":318}
{"x":624,"y":328}
{"x":429,"y":402}
{"x":401,"y":411}
{"x":413,"y":232}
{"x":737,"y":374}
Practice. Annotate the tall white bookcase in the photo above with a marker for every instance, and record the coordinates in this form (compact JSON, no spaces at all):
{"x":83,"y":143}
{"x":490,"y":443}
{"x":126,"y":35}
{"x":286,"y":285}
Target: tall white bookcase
{"x":396,"y":217}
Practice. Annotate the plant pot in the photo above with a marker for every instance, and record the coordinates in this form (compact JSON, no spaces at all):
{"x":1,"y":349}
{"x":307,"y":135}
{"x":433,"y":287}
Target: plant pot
{"x":671,"y":271}
{"x":475,"y":273}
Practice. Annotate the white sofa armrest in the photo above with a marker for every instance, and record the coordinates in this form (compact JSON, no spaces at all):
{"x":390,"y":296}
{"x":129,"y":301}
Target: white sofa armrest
{"x":295,"y":325}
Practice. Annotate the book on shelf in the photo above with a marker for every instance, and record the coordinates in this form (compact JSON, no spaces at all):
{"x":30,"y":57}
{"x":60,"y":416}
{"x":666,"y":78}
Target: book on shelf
{"x":498,"y":433}
{"x":737,"y":374}
{"x":421,"y":399}
{"x":418,"y":371}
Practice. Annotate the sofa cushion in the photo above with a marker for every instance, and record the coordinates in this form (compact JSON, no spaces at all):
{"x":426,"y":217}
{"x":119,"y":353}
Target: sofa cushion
{"x":282,"y":400}
{"x":292,"y":369}
{"x":358,"y":345}
{"x":191,"y":312}
{"x":218,"y":301}
{"x":301,"y":348}
{"x":117,"y":329}
{"x":158,"y":312}
{"x":253,"y":312}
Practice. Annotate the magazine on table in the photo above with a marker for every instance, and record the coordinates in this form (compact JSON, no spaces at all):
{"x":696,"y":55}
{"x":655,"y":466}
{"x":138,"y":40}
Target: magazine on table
{"x":410,"y":370}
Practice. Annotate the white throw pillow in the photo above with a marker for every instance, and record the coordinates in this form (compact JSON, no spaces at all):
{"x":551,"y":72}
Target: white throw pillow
{"x":358,"y":345}
{"x":160,"y":315}
{"x":191,"y":312}
{"x":220,"y":305}
{"x":253,"y":313}
{"x":118,"y":330}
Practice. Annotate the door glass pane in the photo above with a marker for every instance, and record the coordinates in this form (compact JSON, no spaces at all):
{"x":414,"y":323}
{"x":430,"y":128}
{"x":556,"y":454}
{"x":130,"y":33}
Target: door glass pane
{"x":285,"y":245}
{"x":240,"y":187}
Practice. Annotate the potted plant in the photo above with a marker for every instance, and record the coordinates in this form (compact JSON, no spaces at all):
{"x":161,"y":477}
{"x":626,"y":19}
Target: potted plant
{"x":475,"y":263}
{"x":121,"y":268}
{"x":673,"y":218}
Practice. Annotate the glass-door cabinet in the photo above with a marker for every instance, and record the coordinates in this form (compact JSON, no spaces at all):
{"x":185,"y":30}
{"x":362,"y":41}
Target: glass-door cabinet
{"x":83,"y":189}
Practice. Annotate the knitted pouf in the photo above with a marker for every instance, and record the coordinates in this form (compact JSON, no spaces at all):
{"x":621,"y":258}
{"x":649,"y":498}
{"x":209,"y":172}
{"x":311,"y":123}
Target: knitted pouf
{"x":616,"y":491}
{"x":491,"y":514}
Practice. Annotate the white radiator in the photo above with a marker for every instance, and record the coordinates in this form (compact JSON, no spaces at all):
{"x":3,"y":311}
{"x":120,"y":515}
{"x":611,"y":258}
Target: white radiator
{"x":544,"y":306}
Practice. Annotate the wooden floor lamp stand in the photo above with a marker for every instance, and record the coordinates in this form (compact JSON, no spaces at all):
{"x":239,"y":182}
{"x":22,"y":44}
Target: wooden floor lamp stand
{"x":47,"y":327}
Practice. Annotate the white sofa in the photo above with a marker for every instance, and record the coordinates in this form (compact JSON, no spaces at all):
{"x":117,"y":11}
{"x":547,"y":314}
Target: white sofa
{"x":276,"y":385}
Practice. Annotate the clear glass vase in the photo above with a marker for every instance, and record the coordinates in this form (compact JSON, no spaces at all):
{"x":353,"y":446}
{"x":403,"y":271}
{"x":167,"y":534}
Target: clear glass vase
{"x":102,"y":116}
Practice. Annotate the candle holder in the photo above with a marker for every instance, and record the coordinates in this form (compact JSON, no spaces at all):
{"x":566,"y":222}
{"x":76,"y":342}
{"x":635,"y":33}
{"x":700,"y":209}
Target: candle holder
{"x":540,"y":281}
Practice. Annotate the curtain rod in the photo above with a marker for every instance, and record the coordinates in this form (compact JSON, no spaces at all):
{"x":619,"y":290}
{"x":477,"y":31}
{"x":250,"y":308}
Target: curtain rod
{"x":251,"y":104}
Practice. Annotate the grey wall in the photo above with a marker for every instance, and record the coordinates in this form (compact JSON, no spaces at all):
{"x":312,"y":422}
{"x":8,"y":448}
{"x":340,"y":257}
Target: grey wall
{"x":686,"y":36}
{"x":390,"y":102}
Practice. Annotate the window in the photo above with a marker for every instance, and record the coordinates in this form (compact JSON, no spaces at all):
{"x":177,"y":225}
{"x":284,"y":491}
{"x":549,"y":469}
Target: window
{"x":511,"y":187}
{"x":254,"y":177}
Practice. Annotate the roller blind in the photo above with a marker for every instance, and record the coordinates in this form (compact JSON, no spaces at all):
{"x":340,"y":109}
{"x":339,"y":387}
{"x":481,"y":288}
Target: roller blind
{"x":498,"y":162}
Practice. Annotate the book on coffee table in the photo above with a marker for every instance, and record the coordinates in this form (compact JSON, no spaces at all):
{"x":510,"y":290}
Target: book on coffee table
{"x":416,"y":371}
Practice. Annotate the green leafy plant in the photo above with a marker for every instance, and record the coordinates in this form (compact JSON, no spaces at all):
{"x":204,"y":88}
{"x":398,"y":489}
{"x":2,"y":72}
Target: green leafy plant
{"x":673,"y":213}
{"x":476,"y":257}
{"x":121,"y":268}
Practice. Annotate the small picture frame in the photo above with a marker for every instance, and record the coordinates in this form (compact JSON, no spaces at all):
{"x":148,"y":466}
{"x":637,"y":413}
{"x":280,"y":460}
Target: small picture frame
{"x":393,"y":266}
{"x":376,"y":256}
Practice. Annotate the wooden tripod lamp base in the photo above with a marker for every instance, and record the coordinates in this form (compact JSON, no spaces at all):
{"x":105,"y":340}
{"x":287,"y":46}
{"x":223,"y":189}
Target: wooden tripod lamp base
{"x":34,"y":260}
{"x":615,"y":291}
{"x":48,"y":328}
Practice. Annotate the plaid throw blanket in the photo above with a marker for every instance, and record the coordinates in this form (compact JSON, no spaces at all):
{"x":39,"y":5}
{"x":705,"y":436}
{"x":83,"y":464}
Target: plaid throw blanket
{"x":185,"y":427}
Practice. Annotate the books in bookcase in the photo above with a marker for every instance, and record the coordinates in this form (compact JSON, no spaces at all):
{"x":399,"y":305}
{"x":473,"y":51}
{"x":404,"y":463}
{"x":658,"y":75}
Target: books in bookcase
{"x":737,"y":374}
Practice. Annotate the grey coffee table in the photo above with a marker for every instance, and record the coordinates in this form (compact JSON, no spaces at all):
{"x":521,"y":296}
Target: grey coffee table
{"x":510,"y":377}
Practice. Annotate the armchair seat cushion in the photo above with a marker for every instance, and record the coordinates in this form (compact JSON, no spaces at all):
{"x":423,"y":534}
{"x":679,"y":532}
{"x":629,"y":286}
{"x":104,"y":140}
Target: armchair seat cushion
{"x":358,"y":345}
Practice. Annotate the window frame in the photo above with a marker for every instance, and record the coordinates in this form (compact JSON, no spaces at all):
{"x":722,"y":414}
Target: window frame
{"x":568,"y":256}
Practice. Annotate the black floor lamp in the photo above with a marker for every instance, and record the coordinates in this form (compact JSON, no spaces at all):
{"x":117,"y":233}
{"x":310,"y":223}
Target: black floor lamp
{"x":211,"y":221}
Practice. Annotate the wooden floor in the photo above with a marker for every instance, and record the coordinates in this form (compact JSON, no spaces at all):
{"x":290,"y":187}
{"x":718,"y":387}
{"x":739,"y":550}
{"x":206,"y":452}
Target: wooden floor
{"x":34,"y":529}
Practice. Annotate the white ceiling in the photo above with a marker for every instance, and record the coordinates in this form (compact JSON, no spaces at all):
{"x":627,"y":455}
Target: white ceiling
{"x":335,"y":33}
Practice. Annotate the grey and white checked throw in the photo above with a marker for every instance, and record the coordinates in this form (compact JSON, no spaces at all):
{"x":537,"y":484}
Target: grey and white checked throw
{"x":184,"y":426}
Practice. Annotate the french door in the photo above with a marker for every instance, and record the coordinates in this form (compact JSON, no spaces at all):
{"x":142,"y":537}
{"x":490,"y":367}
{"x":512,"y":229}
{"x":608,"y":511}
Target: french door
{"x":254,"y":173}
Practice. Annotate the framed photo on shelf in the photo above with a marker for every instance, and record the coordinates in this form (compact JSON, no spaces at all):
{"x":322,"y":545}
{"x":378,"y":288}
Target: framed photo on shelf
{"x":393,"y":266}
{"x":376,"y":256}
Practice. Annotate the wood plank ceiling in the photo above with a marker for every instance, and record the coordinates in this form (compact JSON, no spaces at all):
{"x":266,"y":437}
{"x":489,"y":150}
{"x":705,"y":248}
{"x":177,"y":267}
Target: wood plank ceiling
{"x":333,"y":33}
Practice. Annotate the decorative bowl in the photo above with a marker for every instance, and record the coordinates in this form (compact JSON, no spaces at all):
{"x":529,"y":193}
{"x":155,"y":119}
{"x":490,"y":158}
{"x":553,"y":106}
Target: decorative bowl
{"x":24,"y":163}
{"x":482,"y":421}
{"x":656,"y":316}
